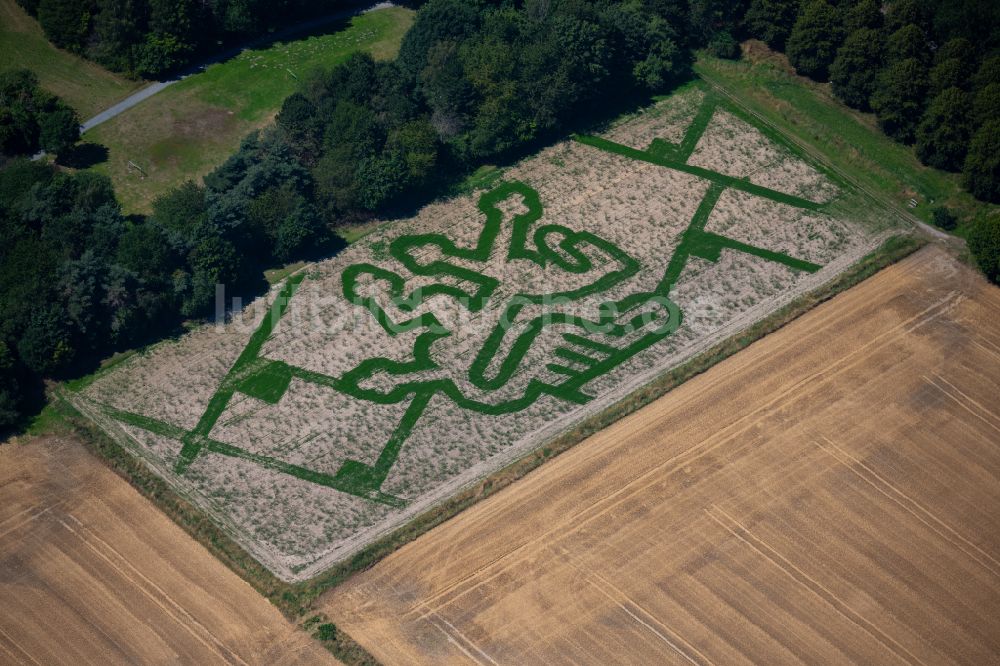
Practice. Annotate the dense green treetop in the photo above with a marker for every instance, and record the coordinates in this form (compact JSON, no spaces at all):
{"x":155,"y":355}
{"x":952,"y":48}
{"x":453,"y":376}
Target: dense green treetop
{"x":982,"y":164}
{"x":31,"y":118}
{"x":772,"y":20}
{"x":944,"y":132}
{"x":899,"y":98}
{"x":815,"y":38}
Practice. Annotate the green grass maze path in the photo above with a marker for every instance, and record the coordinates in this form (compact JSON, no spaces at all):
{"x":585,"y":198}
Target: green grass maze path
{"x":590,"y":348}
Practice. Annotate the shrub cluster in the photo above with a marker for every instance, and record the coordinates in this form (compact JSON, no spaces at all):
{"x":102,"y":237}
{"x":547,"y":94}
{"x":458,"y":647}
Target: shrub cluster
{"x":31,"y":118}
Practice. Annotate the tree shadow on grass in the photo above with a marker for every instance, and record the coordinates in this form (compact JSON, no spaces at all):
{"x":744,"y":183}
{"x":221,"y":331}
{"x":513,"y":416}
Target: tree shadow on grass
{"x":84,"y":155}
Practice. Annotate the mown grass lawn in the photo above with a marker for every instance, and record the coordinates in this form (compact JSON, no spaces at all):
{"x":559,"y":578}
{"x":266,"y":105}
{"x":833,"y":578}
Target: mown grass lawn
{"x":849,"y":139}
{"x":87,"y":87}
{"x":193,"y":126}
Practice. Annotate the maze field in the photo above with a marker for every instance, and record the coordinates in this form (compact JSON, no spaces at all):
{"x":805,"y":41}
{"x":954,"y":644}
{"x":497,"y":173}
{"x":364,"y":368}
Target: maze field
{"x":371,"y":386}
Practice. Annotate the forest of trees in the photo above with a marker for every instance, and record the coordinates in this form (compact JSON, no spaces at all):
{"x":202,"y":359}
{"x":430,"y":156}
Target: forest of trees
{"x":151,"y":37}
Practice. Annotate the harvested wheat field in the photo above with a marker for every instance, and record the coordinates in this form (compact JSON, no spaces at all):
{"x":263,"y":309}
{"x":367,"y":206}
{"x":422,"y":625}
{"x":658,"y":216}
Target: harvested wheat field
{"x":829,"y":495}
{"x":91,"y":573}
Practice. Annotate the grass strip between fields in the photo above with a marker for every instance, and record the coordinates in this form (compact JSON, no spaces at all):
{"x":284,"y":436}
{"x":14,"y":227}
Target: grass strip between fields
{"x":295,"y":600}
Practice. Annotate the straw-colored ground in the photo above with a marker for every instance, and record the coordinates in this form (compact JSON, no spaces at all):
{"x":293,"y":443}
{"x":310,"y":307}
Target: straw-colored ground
{"x":312,"y":472}
{"x":829,"y":495}
{"x":92,"y":573}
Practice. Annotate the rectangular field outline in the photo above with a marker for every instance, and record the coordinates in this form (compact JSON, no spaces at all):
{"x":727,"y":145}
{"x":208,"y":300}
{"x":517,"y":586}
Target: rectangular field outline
{"x":294,"y":597}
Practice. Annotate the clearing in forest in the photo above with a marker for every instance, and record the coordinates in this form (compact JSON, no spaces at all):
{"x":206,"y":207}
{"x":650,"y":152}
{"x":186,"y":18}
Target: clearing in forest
{"x":374,"y":385}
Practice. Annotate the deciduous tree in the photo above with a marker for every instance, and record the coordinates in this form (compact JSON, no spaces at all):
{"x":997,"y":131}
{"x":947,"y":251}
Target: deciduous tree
{"x":981,"y":173}
{"x":943,"y":134}
{"x":986,"y":106}
{"x":908,"y":42}
{"x":861,"y":15}
{"x":984,"y":244}
{"x":59,"y":129}
{"x":815,"y":38}
{"x":899,"y":98}
{"x":66,"y":22}
{"x":855,"y":70}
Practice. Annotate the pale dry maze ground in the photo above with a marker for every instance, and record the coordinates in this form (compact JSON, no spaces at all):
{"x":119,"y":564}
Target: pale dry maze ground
{"x":297,"y":528}
{"x":92,"y":573}
{"x":831,"y":494}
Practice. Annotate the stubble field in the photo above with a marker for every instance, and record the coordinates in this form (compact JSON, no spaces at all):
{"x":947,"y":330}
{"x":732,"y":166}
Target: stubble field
{"x":92,"y":573}
{"x":373,"y":386}
{"x":829,"y":495}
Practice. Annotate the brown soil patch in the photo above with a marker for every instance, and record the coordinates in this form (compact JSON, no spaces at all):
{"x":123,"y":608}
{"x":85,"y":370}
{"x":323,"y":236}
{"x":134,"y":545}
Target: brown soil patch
{"x":828,"y":495}
{"x":90,"y":572}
